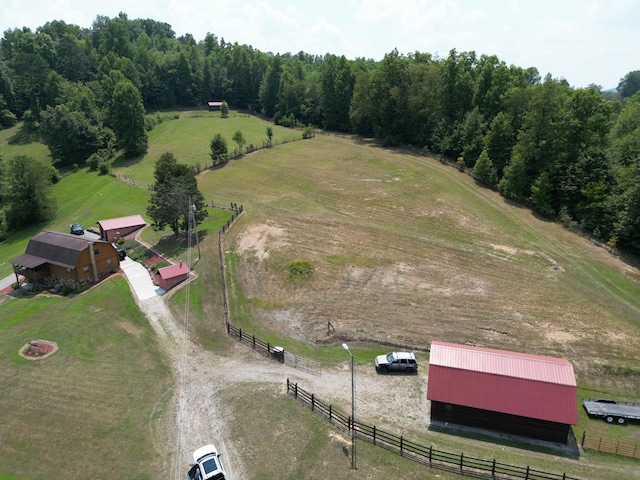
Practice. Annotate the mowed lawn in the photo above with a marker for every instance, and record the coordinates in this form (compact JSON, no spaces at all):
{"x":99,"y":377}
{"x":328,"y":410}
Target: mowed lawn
{"x":189,"y":139}
{"x":82,"y":197}
{"x":95,"y":408}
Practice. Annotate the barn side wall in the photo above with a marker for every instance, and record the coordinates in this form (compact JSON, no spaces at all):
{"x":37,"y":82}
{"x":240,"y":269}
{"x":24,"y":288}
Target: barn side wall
{"x":500,"y":422}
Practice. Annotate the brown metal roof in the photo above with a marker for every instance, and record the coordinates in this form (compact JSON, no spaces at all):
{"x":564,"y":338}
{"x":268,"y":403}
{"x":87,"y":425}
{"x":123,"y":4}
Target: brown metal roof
{"x":508,"y":382}
{"x":54,"y":247}
{"x":28,"y":261}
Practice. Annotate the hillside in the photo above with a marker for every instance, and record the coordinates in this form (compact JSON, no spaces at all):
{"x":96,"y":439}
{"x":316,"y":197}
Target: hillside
{"x":407,"y":250}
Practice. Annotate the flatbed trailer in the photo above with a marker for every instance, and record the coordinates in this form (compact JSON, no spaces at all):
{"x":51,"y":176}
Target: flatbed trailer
{"x":612,"y":411}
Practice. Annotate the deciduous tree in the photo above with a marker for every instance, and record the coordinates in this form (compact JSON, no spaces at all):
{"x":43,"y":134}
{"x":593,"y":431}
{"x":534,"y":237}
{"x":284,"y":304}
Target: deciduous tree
{"x":127,"y":119}
{"x":27,"y":192}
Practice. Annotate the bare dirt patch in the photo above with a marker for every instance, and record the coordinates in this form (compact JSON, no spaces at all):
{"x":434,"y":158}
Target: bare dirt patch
{"x":260,"y":239}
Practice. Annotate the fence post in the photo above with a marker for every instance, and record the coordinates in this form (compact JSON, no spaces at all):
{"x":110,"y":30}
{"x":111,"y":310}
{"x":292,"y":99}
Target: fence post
{"x":461,"y":461}
{"x":527,"y":475}
{"x":240,"y":336}
{"x":617,"y":447}
{"x":330,"y":412}
{"x":584,"y":434}
{"x":313,"y":402}
{"x":374,"y":434}
{"x":493,"y":469}
{"x":430,"y":453}
{"x":295,"y":386}
{"x":287,"y":385}
{"x":349,"y":424}
{"x":254,"y":341}
{"x":401,"y":444}
{"x":599,"y":443}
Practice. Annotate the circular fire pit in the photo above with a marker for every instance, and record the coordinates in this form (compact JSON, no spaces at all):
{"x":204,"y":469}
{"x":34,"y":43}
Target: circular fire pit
{"x":38,"y":349}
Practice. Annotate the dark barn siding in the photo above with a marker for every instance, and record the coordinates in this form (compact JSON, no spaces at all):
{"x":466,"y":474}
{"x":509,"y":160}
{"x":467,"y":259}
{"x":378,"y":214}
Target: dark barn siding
{"x":500,"y":422}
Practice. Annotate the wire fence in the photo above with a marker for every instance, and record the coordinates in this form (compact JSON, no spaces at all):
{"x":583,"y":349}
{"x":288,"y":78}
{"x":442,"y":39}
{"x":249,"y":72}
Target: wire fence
{"x":458,"y":462}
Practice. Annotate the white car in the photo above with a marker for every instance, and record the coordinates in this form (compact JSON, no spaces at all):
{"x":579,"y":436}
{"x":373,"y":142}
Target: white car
{"x":397,"y":362}
{"x":207,"y":465}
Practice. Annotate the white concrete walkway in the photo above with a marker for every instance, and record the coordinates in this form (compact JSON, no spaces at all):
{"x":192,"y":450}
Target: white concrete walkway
{"x":140,"y":279}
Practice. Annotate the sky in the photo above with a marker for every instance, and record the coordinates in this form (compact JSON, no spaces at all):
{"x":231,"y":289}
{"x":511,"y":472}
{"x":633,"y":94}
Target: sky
{"x":583,"y":41}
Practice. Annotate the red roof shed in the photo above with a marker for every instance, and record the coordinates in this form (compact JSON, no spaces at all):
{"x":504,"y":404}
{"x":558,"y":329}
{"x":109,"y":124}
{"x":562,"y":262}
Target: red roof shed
{"x":168,"y":277}
{"x":115,"y":228}
{"x":520,"y":384}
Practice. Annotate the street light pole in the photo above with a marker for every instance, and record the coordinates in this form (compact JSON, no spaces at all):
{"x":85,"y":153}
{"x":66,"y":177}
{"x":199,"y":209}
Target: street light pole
{"x":353,"y":408}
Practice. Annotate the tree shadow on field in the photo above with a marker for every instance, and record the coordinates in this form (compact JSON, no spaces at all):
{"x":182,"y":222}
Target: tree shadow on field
{"x":175,"y":246}
{"x":24,"y":136}
{"x":123,"y":162}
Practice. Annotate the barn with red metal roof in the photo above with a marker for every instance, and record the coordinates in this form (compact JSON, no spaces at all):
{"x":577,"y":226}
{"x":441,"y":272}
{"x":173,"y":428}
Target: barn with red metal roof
{"x":518,"y":393}
{"x":115,"y":228}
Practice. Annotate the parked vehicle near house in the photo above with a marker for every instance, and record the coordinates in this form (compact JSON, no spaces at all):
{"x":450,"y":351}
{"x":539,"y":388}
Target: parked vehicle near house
{"x":404,"y":362}
{"x":76,"y":229}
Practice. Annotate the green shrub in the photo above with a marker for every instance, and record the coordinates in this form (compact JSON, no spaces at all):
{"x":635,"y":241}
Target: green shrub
{"x":308,"y":132}
{"x":300,"y":269}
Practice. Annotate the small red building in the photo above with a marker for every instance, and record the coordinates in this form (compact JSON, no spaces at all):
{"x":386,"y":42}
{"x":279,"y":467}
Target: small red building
{"x":518,"y":393}
{"x":115,"y":228}
{"x":168,"y":277}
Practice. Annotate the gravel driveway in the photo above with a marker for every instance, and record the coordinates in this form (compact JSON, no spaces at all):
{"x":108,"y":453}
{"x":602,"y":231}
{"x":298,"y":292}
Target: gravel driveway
{"x":199,"y":415}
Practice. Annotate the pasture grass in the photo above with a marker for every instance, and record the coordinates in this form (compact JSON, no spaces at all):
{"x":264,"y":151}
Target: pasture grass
{"x":189,"y":138}
{"x":405,"y":250}
{"x":15,"y":141}
{"x":93,"y":408}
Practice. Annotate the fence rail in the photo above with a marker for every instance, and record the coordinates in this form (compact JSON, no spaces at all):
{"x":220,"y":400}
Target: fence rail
{"x":600,"y":444}
{"x":415,"y":451}
{"x":273,"y":351}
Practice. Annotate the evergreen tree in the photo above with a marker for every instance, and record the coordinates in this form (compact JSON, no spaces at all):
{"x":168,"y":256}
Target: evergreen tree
{"x":219,"y":149}
{"x":176,"y":197}
{"x":483,"y":170}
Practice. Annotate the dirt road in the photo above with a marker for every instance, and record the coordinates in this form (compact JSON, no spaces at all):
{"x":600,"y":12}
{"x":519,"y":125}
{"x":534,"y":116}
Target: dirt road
{"x":198,"y":415}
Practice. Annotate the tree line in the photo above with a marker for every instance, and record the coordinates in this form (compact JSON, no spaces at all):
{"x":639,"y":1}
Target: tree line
{"x":570,"y":154}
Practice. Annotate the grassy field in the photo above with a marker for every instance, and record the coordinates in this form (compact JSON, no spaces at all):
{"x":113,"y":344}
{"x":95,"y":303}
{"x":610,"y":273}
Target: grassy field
{"x":405,"y":250}
{"x":189,"y":138}
{"x":96,"y":407}
{"x":83,"y":197}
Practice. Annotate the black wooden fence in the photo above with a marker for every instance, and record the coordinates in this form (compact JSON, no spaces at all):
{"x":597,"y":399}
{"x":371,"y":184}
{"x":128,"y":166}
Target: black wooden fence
{"x":273,"y":351}
{"x":414,"y":451}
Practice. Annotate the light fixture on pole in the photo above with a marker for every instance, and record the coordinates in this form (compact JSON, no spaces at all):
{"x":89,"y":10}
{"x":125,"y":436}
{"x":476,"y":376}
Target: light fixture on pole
{"x":353,"y":408}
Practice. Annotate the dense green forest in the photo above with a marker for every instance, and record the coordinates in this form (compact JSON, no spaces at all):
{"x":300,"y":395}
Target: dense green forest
{"x":570,"y":154}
